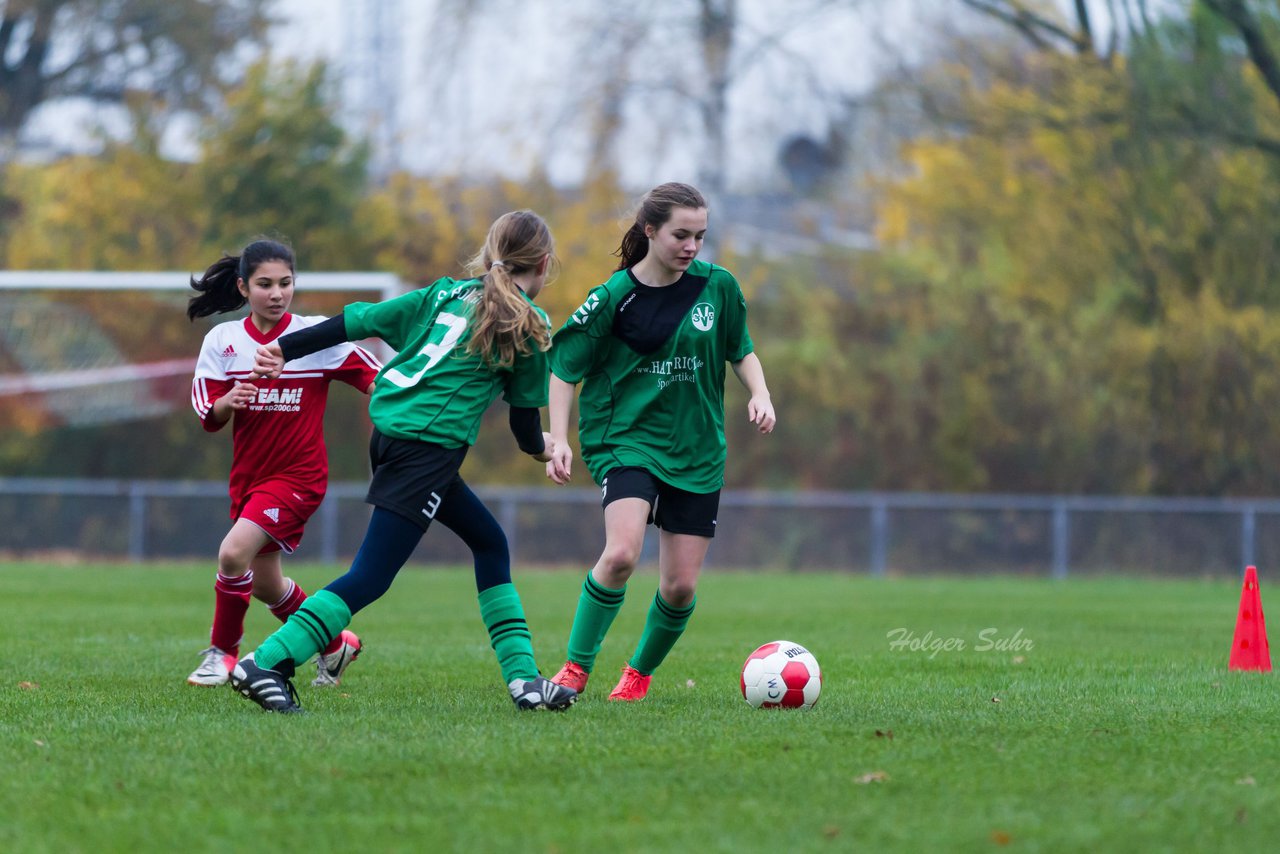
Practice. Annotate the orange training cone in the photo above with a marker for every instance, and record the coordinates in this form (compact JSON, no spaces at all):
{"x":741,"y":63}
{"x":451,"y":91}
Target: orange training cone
{"x":1249,"y":648}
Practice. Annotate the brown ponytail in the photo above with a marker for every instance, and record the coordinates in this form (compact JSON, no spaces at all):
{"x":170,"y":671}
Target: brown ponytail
{"x":504,"y":323}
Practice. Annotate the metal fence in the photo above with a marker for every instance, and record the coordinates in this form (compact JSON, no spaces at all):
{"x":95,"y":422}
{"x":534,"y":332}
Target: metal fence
{"x":873,"y":533}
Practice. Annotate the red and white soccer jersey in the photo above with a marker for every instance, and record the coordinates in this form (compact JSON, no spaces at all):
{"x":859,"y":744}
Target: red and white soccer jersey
{"x":279,"y":463}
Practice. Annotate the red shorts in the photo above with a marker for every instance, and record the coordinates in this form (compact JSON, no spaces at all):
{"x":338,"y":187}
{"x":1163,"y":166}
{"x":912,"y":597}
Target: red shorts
{"x":280,"y":510}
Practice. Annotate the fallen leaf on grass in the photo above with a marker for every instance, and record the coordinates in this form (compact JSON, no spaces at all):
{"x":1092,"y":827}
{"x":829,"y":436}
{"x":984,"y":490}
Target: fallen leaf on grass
{"x":1247,"y":781}
{"x":1000,"y":837}
{"x":831,"y":831}
{"x":887,"y":733}
{"x":1018,"y":659}
{"x":40,"y":743}
{"x":995,"y":699}
{"x":689,"y":683}
{"x":871,"y":777}
{"x":29,"y":686}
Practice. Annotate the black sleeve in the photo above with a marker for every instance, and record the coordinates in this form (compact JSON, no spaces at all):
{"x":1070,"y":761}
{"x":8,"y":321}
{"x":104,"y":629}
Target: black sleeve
{"x":526,"y":426}
{"x":313,"y":339}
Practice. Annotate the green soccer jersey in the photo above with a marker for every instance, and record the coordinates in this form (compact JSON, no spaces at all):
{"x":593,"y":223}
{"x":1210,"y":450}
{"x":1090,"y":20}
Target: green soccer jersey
{"x":652,"y":366}
{"x":433,"y":390}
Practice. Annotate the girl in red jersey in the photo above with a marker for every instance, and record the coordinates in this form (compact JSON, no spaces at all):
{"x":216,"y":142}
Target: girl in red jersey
{"x":279,"y":465}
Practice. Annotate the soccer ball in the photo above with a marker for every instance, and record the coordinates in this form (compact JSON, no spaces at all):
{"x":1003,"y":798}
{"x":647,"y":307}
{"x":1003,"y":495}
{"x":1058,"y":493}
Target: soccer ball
{"x":781,"y":675}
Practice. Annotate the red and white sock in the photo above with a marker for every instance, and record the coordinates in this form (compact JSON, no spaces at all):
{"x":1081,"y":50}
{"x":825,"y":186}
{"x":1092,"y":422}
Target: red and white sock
{"x":230,"y":602}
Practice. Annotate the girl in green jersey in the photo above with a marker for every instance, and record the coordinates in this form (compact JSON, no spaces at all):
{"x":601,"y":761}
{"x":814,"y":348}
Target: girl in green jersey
{"x":649,"y":347}
{"x":459,"y":344}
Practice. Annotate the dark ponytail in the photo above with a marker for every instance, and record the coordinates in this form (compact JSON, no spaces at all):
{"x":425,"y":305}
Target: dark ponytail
{"x":655,"y":209}
{"x":635,"y":245}
{"x":217,"y":290}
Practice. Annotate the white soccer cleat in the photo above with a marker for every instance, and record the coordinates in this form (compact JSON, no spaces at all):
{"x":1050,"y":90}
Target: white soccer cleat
{"x":329,"y":668}
{"x":215,"y":668}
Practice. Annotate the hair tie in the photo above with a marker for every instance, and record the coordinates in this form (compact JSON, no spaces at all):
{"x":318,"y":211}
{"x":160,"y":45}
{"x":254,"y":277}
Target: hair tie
{"x":493,"y":264}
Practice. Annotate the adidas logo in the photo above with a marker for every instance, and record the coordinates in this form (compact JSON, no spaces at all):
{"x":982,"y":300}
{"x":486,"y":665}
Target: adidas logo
{"x":273,"y":514}
{"x":230,"y":351}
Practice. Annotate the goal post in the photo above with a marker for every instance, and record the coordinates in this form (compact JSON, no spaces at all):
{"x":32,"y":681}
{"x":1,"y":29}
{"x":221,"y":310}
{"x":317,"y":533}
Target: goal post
{"x":84,"y":375}
{"x":386,"y":284}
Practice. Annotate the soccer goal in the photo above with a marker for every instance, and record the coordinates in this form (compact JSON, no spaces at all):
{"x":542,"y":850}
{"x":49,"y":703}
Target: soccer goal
{"x":88,"y":348}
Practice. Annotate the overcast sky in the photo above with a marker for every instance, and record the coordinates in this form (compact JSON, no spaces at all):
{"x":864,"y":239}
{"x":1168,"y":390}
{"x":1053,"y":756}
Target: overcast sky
{"x":513,"y":99}
{"x":506,"y":116}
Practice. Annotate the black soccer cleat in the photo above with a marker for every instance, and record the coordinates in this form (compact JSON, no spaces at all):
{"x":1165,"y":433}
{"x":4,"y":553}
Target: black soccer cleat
{"x":268,"y":688}
{"x":541,"y":693}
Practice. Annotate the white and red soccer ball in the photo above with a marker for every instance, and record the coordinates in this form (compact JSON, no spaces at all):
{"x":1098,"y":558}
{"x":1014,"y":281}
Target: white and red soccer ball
{"x":781,"y":675}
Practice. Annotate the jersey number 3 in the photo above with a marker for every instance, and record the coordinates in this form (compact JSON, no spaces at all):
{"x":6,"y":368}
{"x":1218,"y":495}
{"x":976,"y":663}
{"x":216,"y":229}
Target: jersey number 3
{"x":454,"y":327}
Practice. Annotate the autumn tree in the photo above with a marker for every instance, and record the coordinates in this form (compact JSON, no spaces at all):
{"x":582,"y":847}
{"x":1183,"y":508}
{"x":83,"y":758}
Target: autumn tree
{"x":1091,"y":262}
{"x":125,"y":209}
{"x":276,"y":161}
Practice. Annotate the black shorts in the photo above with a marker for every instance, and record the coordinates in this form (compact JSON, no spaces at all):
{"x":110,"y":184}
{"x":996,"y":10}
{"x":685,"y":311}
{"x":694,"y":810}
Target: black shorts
{"x":412,"y":478}
{"x":674,"y":510}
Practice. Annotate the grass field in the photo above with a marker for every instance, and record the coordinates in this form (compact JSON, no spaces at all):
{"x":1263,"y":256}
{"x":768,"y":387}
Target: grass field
{"x":1107,"y":722}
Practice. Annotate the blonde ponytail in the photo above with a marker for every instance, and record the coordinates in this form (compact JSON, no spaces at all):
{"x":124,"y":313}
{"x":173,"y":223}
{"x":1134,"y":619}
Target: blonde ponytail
{"x":505,"y":324}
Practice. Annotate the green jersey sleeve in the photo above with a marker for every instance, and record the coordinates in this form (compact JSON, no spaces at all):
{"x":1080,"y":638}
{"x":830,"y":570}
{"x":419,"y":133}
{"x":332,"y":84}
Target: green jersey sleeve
{"x":576,"y":345}
{"x":393,"y":320}
{"x":737,"y":338}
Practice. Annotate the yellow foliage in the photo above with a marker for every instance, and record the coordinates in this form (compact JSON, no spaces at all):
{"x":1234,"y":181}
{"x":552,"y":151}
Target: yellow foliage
{"x":124,"y":210}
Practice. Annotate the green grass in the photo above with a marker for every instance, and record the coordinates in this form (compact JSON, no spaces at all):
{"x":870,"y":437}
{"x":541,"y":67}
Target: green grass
{"x":1120,"y":728}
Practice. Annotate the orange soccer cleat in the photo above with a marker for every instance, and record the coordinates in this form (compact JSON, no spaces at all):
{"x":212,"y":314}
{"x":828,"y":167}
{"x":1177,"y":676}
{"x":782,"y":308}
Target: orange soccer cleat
{"x":572,"y":675}
{"x":632,"y":686}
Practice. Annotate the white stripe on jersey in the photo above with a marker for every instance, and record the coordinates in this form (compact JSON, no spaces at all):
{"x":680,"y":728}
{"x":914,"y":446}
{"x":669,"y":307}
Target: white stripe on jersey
{"x":290,"y":375}
{"x":200,"y":397}
{"x":227,"y":355}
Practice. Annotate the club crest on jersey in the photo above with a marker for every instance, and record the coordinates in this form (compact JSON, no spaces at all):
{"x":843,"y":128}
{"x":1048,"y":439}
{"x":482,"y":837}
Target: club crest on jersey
{"x":584,"y":311}
{"x":703,"y":316}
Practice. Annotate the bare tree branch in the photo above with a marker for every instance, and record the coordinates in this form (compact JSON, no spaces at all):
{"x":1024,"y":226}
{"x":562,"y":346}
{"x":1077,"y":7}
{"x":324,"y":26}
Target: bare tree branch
{"x":1236,"y":13}
{"x":1085,"y":42}
{"x":55,"y":49}
{"x":1037,"y":29}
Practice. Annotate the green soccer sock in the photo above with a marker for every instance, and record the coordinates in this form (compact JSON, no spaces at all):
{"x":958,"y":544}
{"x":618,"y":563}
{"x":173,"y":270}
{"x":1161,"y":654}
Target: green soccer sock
{"x":509,"y":633}
{"x":662,"y":628}
{"x":597,"y":606}
{"x":307,"y":631}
